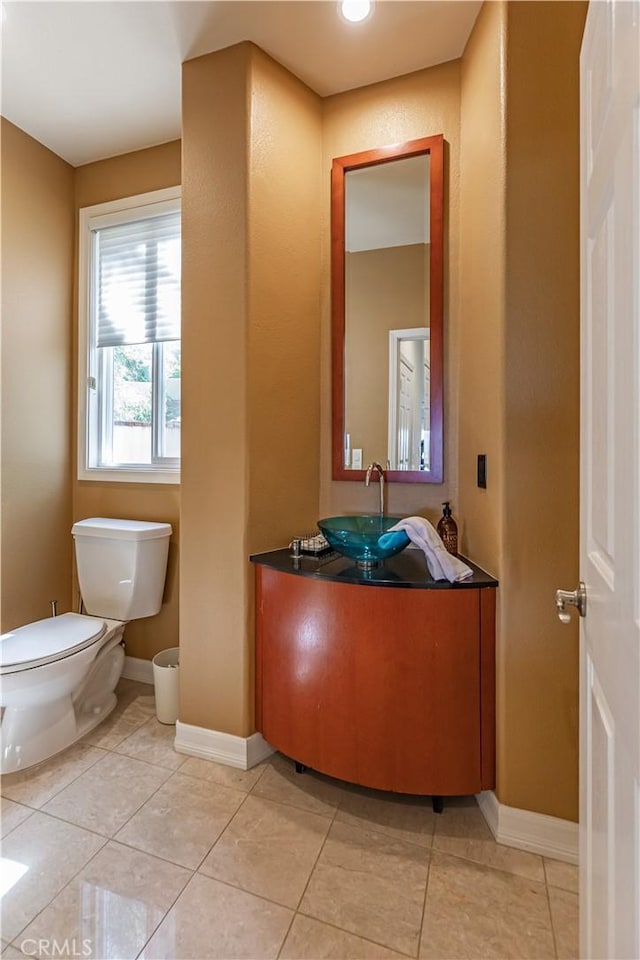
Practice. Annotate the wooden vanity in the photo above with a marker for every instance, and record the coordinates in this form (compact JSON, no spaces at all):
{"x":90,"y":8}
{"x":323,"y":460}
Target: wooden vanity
{"x":380,"y":677}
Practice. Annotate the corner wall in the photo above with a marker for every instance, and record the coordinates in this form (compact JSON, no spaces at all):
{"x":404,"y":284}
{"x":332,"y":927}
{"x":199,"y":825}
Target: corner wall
{"x":519,"y":366}
{"x":539,"y":733}
{"x":482,"y":284}
{"x":37,"y":271}
{"x":483,"y":244}
{"x":250,"y":340}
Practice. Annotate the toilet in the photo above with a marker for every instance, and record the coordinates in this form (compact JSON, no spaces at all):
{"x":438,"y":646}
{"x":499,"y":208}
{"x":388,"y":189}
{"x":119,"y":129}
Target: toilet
{"x":58,"y":676}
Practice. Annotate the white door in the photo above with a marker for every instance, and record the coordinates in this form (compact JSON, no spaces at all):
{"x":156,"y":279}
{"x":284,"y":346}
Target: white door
{"x":407,"y":408}
{"x":610,"y":483}
{"x":405,"y":413}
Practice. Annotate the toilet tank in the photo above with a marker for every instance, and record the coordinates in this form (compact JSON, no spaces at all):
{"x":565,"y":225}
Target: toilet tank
{"x":121,"y":566}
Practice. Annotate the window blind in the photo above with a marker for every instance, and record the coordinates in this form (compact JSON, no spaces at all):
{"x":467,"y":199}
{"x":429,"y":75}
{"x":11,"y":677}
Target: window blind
{"x":138,"y":280}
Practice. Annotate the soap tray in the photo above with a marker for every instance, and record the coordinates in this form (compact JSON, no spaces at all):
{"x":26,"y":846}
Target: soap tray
{"x":313,"y":544}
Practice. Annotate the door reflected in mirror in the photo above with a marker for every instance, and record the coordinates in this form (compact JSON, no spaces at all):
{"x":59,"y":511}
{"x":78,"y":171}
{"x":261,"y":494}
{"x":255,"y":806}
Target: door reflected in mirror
{"x":409,"y":382}
{"x":387,"y":311}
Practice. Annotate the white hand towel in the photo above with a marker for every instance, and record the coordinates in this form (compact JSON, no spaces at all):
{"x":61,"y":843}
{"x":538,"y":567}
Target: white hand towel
{"x":442,"y":565}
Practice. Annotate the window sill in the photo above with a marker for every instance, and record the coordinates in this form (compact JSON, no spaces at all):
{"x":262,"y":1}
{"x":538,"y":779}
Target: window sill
{"x":120,"y":475}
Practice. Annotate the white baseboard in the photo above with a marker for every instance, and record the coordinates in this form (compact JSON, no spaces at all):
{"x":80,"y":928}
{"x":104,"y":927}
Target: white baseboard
{"x":241,"y":752}
{"x":136,"y":669}
{"x":536,"y":832}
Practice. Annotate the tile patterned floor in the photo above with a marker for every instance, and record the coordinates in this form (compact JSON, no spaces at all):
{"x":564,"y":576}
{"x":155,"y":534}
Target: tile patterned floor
{"x":121,"y":848}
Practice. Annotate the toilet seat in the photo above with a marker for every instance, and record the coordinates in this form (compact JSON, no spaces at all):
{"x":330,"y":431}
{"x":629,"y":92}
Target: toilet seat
{"x":45,"y":641}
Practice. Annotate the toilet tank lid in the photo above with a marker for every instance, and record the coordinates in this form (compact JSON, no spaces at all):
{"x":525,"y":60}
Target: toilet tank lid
{"x":120,"y":529}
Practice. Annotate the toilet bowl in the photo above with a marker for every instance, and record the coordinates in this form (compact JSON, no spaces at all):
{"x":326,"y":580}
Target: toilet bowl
{"x":58,"y":676}
{"x":57,"y":679}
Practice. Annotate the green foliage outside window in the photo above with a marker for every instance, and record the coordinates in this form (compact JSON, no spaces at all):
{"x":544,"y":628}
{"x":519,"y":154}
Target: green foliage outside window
{"x":132,"y":364}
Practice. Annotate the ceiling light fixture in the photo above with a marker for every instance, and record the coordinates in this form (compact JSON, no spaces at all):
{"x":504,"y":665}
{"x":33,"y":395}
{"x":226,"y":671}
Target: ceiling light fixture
{"x":355,"y":11}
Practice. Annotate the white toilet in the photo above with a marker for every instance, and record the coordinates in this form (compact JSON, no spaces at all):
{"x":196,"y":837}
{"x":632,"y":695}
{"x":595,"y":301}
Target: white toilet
{"x":57,"y":676}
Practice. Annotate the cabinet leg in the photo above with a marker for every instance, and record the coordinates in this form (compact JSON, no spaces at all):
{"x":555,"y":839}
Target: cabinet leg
{"x":438,"y":804}
{"x":300,"y":767}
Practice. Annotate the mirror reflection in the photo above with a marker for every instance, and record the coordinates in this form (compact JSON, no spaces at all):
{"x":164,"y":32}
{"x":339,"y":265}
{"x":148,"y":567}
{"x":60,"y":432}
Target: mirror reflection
{"x":387,"y":340}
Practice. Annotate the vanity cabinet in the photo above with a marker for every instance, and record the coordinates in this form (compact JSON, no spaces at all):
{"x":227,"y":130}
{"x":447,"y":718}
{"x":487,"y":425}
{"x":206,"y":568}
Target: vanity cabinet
{"x":381,"y":678}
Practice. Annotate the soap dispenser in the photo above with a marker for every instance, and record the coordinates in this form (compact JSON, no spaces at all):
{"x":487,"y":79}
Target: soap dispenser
{"x":448,"y":529}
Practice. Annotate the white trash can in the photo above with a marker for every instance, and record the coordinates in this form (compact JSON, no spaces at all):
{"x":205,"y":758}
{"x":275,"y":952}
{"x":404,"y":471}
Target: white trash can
{"x":166,"y":679}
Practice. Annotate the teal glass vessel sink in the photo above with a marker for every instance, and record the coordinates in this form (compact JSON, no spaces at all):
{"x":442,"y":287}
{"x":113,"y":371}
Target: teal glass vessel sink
{"x":364,"y":538}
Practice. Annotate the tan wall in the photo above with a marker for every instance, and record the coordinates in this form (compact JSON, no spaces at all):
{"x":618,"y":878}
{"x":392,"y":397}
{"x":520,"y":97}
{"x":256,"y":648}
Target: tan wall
{"x":417,"y":105}
{"x":482,"y":269}
{"x":542,"y":383}
{"x":284,"y":307}
{"x":482,"y":309}
{"x":37,"y":269}
{"x":250,"y":340}
{"x":132,"y":173}
{"x":519,"y":392}
{"x":124,"y":176}
{"x":385,"y":290}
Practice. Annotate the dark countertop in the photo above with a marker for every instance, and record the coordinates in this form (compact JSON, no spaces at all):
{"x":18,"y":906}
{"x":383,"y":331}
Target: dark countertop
{"x":406,"y":569}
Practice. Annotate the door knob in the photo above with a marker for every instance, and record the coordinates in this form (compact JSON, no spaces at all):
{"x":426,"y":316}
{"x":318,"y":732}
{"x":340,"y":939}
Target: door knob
{"x":571,"y":598}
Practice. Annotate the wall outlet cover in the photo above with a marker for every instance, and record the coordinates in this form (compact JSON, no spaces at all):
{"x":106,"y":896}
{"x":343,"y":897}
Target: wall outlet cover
{"x":482,"y":470}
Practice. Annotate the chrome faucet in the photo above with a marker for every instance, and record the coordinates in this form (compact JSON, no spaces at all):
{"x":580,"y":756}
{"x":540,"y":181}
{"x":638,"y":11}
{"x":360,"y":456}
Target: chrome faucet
{"x":367,"y":480}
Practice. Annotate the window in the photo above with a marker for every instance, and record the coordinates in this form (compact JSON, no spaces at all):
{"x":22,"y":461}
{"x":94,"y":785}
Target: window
{"x":129,"y":380}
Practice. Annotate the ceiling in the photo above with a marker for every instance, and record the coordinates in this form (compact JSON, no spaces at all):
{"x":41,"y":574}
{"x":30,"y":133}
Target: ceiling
{"x":97,"y":79}
{"x":387,"y":205}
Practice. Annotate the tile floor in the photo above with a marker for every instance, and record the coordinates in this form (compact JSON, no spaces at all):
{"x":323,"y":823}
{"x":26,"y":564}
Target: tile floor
{"x":120,"y":847}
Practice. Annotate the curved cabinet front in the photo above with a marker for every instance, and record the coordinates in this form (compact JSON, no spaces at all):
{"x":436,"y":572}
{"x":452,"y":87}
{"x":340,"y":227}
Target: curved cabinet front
{"x":391,"y":688}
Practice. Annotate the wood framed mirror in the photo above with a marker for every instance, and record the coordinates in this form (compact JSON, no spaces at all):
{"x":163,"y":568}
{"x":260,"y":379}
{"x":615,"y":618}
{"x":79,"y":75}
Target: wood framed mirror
{"x":387,"y":311}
